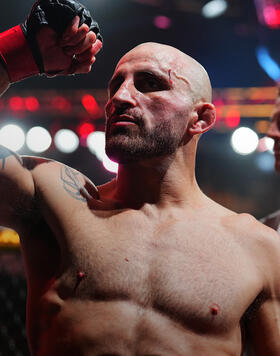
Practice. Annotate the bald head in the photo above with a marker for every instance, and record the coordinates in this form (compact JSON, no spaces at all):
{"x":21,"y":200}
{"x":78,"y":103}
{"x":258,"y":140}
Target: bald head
{"x":184,"y":70}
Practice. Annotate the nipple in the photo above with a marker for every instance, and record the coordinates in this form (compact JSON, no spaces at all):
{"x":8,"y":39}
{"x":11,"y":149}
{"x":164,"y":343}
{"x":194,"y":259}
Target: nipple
{"x":80,"y":276}
{"x":214,"y":309}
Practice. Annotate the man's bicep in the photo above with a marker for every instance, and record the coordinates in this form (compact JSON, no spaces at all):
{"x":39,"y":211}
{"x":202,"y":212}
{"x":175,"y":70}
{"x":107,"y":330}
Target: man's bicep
{"x":16,"y":187}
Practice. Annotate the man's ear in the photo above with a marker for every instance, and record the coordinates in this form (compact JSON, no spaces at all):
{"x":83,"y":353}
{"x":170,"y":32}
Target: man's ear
{"x":203,"y":120}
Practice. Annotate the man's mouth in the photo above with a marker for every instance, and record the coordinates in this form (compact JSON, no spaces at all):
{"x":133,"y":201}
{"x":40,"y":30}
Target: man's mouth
{"x":122,"y":119}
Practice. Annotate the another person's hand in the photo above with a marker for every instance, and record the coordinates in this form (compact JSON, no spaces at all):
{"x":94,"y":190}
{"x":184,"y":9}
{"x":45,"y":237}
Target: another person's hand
{"x":73,"y":53}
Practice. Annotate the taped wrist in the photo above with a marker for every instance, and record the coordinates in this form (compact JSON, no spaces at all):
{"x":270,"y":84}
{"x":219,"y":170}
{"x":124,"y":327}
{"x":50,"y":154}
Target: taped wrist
{"x":16,"y":55}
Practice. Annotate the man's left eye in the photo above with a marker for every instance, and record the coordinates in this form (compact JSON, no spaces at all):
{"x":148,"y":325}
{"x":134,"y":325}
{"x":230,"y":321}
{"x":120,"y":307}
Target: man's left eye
{"x":152,"y":84}
{"x":146,"y":85}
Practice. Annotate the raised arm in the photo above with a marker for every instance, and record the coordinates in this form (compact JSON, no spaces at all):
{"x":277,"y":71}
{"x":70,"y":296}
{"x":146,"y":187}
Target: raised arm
{"x":52,"y":41}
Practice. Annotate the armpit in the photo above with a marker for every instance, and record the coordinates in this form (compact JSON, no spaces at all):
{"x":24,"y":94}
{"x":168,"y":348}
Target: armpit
{"x":27,"y":209}
{"x":254,"y":307}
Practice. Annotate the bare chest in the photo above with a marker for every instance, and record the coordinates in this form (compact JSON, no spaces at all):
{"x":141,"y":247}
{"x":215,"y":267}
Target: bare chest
{"x":195,"y":276}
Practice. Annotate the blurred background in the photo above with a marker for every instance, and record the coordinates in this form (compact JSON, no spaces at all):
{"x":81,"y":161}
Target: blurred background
{"x":237,"y":41}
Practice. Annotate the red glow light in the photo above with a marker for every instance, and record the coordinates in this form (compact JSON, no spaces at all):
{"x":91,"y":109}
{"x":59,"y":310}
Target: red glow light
{"x":85,"y":129}
{"x":162,"y":22}
{"x":91,"y":106}
{"x":219,"y":109}
{"x":272,"y":16}
{"x":31,"y":103}
{"x":17,"y":103}
{"x":233,"y":118}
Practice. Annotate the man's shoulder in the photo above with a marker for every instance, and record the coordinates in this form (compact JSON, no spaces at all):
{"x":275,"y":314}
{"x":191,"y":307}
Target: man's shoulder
{"x":48,"y":170}
{"x":50,"y":175}
{"x":251,"y":233}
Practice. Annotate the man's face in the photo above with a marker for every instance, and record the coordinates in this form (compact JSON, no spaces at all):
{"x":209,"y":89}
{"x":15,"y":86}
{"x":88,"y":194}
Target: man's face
{"x":274,"y":133}
{"x":147,"y":111}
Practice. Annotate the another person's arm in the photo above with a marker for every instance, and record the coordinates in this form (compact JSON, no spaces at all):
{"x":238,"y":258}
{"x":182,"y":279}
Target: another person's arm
{"x":263,"y":323}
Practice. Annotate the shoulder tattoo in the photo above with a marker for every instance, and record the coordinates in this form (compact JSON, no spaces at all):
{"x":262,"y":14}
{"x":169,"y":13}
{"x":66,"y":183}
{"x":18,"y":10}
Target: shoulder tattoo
{"x":5,"y":153}
{"x":71,"y":183}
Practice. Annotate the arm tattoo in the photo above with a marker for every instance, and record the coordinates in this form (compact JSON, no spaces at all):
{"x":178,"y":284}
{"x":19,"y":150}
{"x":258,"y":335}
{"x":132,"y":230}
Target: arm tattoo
{"x":71,"y":183}
{"x":5,"y":153}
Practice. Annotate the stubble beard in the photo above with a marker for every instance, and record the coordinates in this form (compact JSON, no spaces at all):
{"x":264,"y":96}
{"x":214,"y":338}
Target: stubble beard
{"x":128,"y":144}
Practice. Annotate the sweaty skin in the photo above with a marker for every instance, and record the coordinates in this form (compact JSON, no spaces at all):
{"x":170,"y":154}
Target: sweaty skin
{"x":150,"y":266}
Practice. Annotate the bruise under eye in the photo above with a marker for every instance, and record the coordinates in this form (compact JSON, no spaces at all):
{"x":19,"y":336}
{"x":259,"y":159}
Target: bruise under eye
{"x":149,"y":82}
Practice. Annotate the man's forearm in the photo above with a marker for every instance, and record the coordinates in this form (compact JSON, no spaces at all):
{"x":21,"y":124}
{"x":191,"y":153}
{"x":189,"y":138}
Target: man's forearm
{"x":4,"y":80}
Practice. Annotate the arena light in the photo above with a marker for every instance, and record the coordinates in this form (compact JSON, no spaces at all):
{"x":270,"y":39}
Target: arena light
{"x":12,"y":137}
{"x":96,"y":145}
{"x":267,"y":63}
{"x":66,"y":141}
{"x":32,"y":103}
{"x":17,"y":103}
{"x":268,"y":12}
{"x":8,"y":238}
{"x":244,"y":141}
{"x":233,"y":118}
{"x":110,"y":165}
{"x":269,"y":143}
{"x":91,"y":106}
{"x":38,"y":139}
{"x":162,"y":22}
{"x":214,"y":8}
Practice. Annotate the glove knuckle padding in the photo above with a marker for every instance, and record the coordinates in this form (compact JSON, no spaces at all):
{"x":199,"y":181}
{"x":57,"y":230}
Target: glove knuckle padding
{"x":58,"y":14}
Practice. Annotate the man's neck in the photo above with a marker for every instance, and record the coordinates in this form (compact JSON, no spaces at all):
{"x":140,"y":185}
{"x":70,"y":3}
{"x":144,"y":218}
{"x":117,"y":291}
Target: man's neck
{"x":157,"y":181}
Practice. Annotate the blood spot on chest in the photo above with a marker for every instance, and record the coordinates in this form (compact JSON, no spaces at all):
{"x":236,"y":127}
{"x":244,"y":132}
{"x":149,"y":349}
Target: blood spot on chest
{"x":80,"y":276}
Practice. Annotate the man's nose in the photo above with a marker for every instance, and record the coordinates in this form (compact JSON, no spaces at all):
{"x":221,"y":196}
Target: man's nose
{"x":125,"y":95}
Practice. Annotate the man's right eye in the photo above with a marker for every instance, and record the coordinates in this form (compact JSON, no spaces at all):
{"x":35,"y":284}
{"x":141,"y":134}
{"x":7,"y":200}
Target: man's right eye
{"x":115,"y":85}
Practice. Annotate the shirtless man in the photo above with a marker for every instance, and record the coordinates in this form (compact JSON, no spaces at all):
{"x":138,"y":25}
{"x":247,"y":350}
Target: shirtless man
{"x":145,"y":264}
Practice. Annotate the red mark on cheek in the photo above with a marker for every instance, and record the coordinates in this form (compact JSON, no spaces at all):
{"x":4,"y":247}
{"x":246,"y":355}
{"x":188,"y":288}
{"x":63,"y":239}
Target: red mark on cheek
{"x":126,"y":259}
{"x":169,"y":74}
{"x":214,"y":309}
